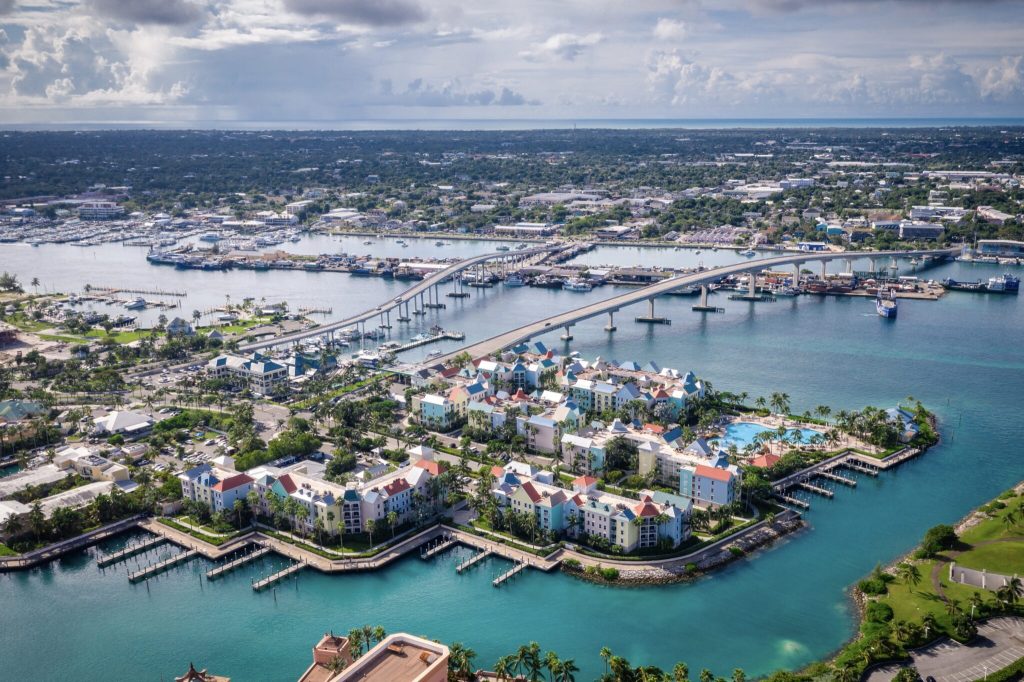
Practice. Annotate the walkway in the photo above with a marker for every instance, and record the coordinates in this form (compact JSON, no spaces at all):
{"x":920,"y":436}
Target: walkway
{"x":650,"y":292}
{"x":50,"y":552}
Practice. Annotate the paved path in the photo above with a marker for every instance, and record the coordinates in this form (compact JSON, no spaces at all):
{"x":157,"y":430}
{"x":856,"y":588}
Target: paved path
{"x":999,"y":643}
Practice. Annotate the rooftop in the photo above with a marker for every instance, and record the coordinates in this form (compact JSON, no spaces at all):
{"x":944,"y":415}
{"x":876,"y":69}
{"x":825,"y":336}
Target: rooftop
{"x":399,"y":658}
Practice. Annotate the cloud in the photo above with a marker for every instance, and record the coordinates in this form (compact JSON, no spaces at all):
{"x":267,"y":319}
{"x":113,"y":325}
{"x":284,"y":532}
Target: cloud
{"x":670,"y":29}
{"x":451,"y":94}
{"x":363,"y":12}
{"x":759,"y":6}
{"x":6,"y":6}
{"x":567,"y":46}
{"x":674,"y":79}
{"x":162,"y":12}
{"x":1003,"y":80}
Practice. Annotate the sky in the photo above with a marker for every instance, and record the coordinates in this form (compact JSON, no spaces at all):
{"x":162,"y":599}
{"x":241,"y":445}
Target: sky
{"x":192,"y":62}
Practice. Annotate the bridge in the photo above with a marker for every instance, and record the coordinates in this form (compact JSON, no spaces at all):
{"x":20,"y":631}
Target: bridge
{"x":426,"y":288}
{"x":648,"y":293}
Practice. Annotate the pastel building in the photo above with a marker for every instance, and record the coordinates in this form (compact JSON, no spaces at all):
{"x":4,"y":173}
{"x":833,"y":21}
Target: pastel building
{"x":217,"y":488}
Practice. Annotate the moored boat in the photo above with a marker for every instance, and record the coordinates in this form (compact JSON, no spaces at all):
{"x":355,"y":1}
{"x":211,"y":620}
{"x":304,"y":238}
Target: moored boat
{"x":886,"y":307}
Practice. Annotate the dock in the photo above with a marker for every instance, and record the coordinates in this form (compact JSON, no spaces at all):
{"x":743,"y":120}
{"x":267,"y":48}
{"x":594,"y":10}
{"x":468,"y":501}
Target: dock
{"x":458,"y":294}
{"x":443,"y":336}
{"x":853,"y":464}
{"x":235,"y":563}
{"x":508,"y":575}
{"x":92,"y":288}
{"x":652,"y":320}
{"x":707,"y":309}
{"x":275,"y":578}
{"x":756,"y":298}
{"x":817,"y":490}
{"x":791,"y":500}
{"x":130,"y":551}
{"x":446,"y":543}
{"x":473,"y":560}
{"x":435,"y":306}
{"x":832,"y":476}
{"x":160,"y":567}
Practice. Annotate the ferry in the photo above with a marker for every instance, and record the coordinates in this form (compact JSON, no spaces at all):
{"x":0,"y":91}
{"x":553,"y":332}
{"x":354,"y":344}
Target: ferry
{"x":886,"y":307}
{"x":577,"y":285}
{"x":1003,"y":284}
{"x":514,"y":281}
{"x":137,"y":304}
{"x":955,"y":285}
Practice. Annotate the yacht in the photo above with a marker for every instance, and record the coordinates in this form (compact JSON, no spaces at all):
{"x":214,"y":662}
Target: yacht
{"x":137,"y":304}
{"x":367,"y":242}
{"x":514,"y":281}
{"x":577,"y":285}
{"x":503,"y":247}
{"x":434,"y":354}
{"x":749,"y":253}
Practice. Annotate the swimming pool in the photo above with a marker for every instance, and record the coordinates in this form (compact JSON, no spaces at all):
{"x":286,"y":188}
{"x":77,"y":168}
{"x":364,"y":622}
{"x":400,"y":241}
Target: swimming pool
{"x":742,"y":433}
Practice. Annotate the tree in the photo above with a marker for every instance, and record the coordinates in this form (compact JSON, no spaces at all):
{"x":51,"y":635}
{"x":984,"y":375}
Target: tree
{"x":706,"y":675}
{"x":909,"y":574}
{"x":35,"y":284}
{"x":681,"y":673}
{"x":37,"y":520}
{"x":939,"y":538}
{"x":392,"y":518}
{"x":370,"y":526}
{"x":1011,"y":591}
{"x":460,"y":659}
{"x":908,"y":674}
{"x":606,"y":655}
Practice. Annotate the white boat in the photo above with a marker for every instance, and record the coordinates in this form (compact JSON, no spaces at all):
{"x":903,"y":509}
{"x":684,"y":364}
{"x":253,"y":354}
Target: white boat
{"x":748,"y":253}
{"x":577,"y":285}
{"x":438,"y":243}
{"x":435,"y":354}
{"x":514,"y":281}
{"x":137,"y":304}
{"x":503,"y":248}
{"x":367,"y":242}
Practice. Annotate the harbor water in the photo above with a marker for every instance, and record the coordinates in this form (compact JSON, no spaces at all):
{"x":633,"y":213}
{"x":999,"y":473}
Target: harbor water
{"x":782,"y":607}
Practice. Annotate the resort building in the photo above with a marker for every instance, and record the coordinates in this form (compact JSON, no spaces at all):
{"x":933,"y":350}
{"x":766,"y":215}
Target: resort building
{"x":99,"y":210}
{"x":217,"y":488}
{"x":259,"y":374}
{"x":398,"y":658}
{"x":125,"y":423}
{"x":85,"y":462}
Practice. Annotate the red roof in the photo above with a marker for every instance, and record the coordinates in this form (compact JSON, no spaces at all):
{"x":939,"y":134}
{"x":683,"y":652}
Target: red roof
{"x":661,"y":394}
{"x":435,"y":468}
{"x":765,"y":461}
{"x":497,"y":471}
{"x":520,"y":395}
{"x":654,"y":428}
{"x":585,"y":481}
{"x":713,"y":473}
{"x":534,"y":496}
{"x":397,"y":486}
{"x":287,"y":483}
{"x":232,"y":483}
{"x":449,"y":372}
{"x":646,"y":508}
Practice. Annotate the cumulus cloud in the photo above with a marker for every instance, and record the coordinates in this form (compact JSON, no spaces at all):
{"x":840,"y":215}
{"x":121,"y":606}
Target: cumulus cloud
{"x":796,"y":5}
{"x":675,"y":79}
{"x":1003,"y":80}
{"x":450,"y":94}
{"x":364,"y":12}
{"x":162,"y":12}
{"x":670,"y":29}
{"x":567,"y":46}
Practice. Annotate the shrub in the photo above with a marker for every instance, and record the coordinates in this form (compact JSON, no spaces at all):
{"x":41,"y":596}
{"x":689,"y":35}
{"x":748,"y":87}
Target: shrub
{"x":736,"y":551}
{"x":939,"y":538}
{"x":691,"y":567}
{"x":572,"y":564}
{"x":878,"y":612}
{"x":908,"y":674}
{"x":610,"y":573}
{"x":873,"y":585}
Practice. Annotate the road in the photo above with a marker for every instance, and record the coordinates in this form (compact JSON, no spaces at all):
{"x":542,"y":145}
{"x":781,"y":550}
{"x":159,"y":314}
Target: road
{"x":419,"y":288}
{"x":650,"y":292}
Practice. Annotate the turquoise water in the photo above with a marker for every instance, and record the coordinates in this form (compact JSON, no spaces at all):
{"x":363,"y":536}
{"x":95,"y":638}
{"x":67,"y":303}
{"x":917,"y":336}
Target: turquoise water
{"x":783,"y":607}
{"x":742,"y":434}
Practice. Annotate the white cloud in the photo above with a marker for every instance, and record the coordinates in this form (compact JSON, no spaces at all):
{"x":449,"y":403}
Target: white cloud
{"x":567,"y":46}
{"x":1003,"y":80}
{"x":670,"y":29}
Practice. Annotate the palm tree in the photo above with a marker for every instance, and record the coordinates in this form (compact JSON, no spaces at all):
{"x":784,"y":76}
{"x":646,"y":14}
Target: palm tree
{"x":901,"y":629}
{"x":35,"y":284}
{"x":681,"y":673}
{"x":370,"y":526}
{"x":606,"y":654}
{"x":953,"y":607}
{"x":379,"y":634}
{"x":460,"y":659}
{"x":392,"y":518}
{"x":355,"y":642}
{"x":909,"y":574}
{"x":566,"y":670}
{"x":706,"y":675}
{"x":930,"y":624}
{"x":844,"y":673}
{"x":503,"y":668}
{"x":1011,"y":591}
{"x":738,"y":675}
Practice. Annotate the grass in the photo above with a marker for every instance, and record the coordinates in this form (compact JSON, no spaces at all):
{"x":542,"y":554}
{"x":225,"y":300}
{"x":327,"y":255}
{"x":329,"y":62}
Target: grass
{"x":1004,"y":557}
{"x":6,"y":551}
{"x":121,"y":337}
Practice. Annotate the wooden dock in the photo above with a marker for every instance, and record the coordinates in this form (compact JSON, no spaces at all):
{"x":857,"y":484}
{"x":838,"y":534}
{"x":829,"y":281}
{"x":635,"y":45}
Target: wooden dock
{"x":443,"y":336}
{"x":130,"y":551}
{"x":860,"y":468}
{"x":832,"y":476}
{"x":508,"y":575}
{"x":153,"y":569}
{"x":473,"y":561}
{"x":817,"y":490}
{"x":120,"y":290}
{"x":235,"y":563}
{"x":792,"y":500}
{"x":275,"y":578}
{"x":430,"y":553}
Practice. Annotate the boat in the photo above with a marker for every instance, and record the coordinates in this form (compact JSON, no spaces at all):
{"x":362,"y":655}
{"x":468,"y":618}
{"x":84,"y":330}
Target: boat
{"x":514,"y":281}
{"x":438,"y":243}
{"x":886,"y":307}
{"x":503,"y":248}
{"x":955,"y":285}
{"x":434,"y":354}
{"x":577,"y":285}
{"x":210,"y":237}
{"x":1003,"y":284}
{"x":749,"y":253}
{"x":520,"y":247}
{"x":697,"y":251}
{"x":783,"y":290}
{"x":367,"y":242}
{"x":137,"y":304}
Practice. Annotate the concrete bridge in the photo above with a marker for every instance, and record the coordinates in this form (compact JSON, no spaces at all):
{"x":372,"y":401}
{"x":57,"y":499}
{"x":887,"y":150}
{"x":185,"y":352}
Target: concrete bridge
{"x":610,"y":306}
{"x":424,"y":294}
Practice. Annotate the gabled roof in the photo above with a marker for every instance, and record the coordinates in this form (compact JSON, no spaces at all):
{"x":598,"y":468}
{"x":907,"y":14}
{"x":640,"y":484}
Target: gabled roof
{"x":232,"y":483}
{"x":765,"y":461}
{"x":434,"y":468}
{"x":531,"y":492}
{"x":713,"y":473}
{"x":287,"y":483}
{"x":397,"y":486}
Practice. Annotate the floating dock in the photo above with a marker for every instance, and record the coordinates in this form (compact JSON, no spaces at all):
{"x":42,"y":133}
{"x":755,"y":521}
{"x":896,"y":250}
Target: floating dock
{"x":235,"y":563}
{"x":443,"y":336}
{"x":832,"y":476}
{"x":860,"y":468}
{"x":792,"y":500}
{"x":473,"y":561}
{"x":438,"y":548}
{"x":508,"y":575}
{"x":275,"y":578}
{"x":707,"y":309}
{"x":153,"y":569}
{"x":130,"y":551}
{"x":810,"y":487}
{"x":756,"y":298}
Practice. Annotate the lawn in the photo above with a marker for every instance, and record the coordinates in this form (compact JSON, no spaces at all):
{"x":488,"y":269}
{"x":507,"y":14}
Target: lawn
{"x":1002,"y":557}
{"x":6,"y":551}
{"x":121,"y":337}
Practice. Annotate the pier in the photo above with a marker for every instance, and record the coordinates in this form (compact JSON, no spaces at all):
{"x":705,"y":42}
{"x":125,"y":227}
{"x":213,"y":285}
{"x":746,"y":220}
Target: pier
{"x":235,"y":563}
{"x":146,"y":292}
{"x":275,"y":578}
{"x":817,"y":490}
{"x":473,"y":560}
{"x":446,"y":542}
{"x":443,"y":336}
{"x":160,"y":567}
{"x":782,"y":497}
{"x":830,"y":475}
{"x":130,"y":551}
{"x":509,"y":574}
{"x":857,"y":466}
